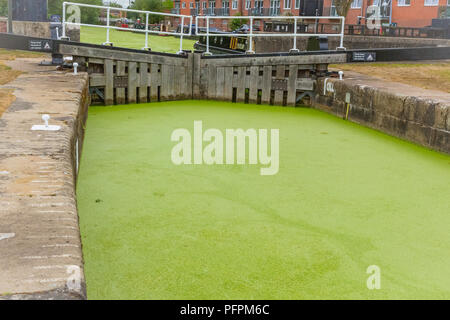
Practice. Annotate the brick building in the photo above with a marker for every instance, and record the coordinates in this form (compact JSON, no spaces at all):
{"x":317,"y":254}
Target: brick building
{"x":233,"y":7}
{"x":405,"y":13}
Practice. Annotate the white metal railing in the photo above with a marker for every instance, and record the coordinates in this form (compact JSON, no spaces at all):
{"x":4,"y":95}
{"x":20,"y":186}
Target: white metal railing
{"x":146,"y":30}
{"x":251,"y":34}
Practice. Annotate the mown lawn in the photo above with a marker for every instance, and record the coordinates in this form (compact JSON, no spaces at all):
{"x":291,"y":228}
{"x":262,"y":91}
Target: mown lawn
{"x":132,"y":40}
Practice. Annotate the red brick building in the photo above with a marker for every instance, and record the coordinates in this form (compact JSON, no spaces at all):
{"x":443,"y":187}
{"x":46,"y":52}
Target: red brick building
{"x":404,"y":13}
{"x":233,"y":7}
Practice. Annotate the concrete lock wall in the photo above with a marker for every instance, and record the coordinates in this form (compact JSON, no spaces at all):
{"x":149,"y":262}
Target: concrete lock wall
{"x":38,"y":187}
{"x":32,"y":29}
{"x":39,"y":29}
{"x":281,"y":44}
{"x":416,"y":119}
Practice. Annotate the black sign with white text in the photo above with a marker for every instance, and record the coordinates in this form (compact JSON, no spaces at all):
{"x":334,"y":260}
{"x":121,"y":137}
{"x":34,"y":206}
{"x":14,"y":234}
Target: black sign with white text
{"x":364,"y":56}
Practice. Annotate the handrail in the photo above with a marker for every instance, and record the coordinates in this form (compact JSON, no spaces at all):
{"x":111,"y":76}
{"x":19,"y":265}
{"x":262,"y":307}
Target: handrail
{"x":250,"y":35}
{"x":146,"y":30}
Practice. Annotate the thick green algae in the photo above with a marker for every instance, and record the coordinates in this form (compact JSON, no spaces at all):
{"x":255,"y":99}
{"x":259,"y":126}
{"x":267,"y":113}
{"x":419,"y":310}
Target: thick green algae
{"x":345,"y":197}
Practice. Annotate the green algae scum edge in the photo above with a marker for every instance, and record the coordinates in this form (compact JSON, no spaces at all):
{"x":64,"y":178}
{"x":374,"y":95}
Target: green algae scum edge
{"x":345,"y":198}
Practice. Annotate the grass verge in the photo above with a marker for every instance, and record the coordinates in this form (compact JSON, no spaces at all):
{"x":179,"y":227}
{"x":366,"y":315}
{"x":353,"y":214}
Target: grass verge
{"x":434,"y":76}
{"x":132,"y":40}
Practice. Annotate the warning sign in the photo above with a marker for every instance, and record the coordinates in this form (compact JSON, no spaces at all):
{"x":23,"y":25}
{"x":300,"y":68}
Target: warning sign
{"x":364,"y":56}
{"x":40,"y":45}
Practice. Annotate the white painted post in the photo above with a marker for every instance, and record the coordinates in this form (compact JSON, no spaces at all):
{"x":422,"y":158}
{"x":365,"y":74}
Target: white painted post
{"x":294,"y":47}
{"x":250,"y":45}
{"x":146,"y":32}
{"x":181,"y":36}
{"x":190,"y":26}
{"x":341,"y":46}
{"x":207,"y":37}
{"x":64,"y":21}
{"x":107,"y":27}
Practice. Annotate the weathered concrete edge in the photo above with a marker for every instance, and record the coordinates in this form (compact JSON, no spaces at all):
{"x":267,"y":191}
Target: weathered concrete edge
{"x":76,"y":128}
{"x":419,"y":120}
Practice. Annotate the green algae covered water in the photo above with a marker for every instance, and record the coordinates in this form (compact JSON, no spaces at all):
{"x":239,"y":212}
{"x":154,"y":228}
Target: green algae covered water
{"x":345,"y":198}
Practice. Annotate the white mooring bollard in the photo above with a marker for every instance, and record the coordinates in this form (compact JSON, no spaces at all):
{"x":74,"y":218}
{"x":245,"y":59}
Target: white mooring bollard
{"x":341,"y":74}
{"x":75,"y":68}
{"x":46,"y":126}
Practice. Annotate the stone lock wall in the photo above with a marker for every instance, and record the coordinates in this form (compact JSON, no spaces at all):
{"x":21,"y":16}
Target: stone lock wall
{"x":284,"y":44}
{"x":418,"y":119}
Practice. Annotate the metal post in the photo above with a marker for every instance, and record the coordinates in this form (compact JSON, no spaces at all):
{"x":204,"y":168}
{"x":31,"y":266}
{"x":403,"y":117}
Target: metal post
{"x":250,"y":46}
{"x":190,"y":26}
{"x":146,"y":32}
{"x":207,"y":53}
{"x":10,"y":13}
{"x":107,"y":27}
{"x":294,"y":48}
{"x":64,"y":21}
{"x":341,"y":46}
{"x":181,"y":35}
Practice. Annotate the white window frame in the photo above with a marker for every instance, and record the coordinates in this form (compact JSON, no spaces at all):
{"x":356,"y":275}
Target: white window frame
{"x":297,"y":4}
{"x":431,"y":3}
{"x":402,"y":3}
{"x":331,"y":9}
{"x":287,"y":4}
{"x":234,"y":4}
{"x":248,"y":4}
{"x":356,"y":4}
{"x":204,"y":5}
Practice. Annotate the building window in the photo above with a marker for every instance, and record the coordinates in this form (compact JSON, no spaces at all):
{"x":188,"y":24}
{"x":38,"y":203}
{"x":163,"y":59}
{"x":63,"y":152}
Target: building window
{"x":333,"y":12}
{"x":204,"y":4}
{"x":297,"y":4}
{"x":356,"y":4}
{"x":402,"y":3}
{"x":183,"y":5}
{"x":212,"y":4}
{"x":248,"y":4}
{"x":191,"y":5}
{"x":432,"y":2}
{"x":234,"y":4}
{"x":287,"y":4}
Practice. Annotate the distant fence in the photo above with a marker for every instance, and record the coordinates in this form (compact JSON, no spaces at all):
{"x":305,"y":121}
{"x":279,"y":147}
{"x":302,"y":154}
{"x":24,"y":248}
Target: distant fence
{"x":146,"y":30}
{"x":250,"y":33}
{"x":360,"y":29}
{"x":407,"y":32}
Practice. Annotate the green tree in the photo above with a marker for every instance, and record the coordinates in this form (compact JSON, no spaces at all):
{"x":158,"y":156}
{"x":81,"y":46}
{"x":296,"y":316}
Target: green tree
{"x":236,"y":23}
{"x":150,"y":5}
{"x":3,"y":8}
{"x":342,"y":6}
{"x":88,"y":15}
